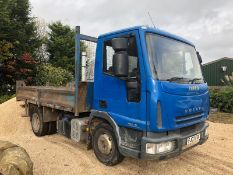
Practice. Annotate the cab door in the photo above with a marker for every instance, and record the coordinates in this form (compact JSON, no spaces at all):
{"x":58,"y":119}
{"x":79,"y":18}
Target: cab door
{"x":123,"y":100}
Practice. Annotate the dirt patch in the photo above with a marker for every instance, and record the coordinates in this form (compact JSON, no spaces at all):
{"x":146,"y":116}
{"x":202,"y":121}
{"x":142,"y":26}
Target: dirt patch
{"x":61,"y":156}
{"x":221,"y":117}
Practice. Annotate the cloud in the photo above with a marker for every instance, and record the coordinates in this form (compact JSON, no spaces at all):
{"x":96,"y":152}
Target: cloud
{"x":208,"y":24}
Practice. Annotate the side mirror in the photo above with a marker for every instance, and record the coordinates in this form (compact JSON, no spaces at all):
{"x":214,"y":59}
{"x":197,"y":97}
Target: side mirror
{"x":199,"y":57}
{"x":120,"y":64}
{"x":120,"y":58}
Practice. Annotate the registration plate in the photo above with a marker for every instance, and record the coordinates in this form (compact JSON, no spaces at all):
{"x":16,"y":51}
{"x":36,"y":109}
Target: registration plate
{"x":193,"y":139}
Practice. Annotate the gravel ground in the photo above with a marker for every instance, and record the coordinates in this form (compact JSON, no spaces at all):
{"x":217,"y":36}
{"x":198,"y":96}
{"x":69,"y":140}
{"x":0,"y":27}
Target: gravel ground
{"x":56,"y":155}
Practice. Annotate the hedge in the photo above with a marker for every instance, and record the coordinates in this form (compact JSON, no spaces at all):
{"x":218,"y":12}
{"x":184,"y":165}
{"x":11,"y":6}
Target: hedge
{"x":52,"y":76}
{"x":222,"y":99}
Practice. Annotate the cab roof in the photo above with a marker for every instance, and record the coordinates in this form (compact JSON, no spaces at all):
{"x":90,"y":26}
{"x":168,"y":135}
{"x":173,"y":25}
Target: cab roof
{"x":150,"y":30}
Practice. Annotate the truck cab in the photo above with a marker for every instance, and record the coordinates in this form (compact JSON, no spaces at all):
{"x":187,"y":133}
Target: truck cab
{"x":149,"y":87}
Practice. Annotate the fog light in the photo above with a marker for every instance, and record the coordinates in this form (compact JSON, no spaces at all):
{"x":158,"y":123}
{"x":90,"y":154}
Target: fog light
{"x":153,"y":148}
{"x":206,"y":132}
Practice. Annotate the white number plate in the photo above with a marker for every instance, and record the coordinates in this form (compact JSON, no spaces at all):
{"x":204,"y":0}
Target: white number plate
{"x":193,"y":139}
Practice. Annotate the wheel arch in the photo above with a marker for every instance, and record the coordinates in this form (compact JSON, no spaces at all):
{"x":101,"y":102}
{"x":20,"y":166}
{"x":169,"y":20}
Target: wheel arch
{"x":105,"y":117}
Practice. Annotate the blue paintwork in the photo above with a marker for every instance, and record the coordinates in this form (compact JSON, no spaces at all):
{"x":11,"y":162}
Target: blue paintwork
{"x":176,"y":99}
{"x":77,"y":67}
{"x":148,"y":29}
{"x":89,"y":97}
{"x":113,"y":90}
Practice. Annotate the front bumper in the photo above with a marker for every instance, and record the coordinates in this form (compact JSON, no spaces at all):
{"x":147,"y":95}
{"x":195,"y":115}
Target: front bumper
{"x":179,"y":138}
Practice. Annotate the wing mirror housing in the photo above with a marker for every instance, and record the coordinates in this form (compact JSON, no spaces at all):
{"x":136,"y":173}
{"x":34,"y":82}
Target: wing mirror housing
{"x":120,"y":44}
{"x":120,"y":58}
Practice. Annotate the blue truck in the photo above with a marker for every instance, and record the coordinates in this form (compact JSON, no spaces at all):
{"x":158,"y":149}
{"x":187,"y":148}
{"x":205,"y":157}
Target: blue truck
{"x":148,"y":99}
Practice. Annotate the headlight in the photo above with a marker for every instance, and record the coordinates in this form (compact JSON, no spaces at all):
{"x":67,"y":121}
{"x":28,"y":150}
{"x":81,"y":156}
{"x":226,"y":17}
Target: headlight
{"x":155,"y":148}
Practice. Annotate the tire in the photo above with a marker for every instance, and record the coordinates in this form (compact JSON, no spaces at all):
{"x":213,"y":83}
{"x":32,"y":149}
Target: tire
{"x":52,"y":128}
{"x":39,"y":127}
{"x":105,"y":145}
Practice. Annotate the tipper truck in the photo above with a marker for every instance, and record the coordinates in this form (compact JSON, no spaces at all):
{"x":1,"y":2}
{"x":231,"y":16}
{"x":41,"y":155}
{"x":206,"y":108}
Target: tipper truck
{"x":148,"y":98}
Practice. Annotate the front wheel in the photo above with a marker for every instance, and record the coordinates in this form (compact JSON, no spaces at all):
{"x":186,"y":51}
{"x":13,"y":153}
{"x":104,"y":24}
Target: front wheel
{"x":105,"y":145}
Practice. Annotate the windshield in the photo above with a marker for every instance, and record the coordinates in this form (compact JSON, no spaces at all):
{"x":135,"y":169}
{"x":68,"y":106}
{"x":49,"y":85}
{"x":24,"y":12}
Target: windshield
{"x":172,"y":60}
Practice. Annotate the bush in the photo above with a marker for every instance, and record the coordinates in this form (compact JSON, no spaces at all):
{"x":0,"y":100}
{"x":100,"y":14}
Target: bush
{"x":52,"y":76}
{"x":222,"y":99}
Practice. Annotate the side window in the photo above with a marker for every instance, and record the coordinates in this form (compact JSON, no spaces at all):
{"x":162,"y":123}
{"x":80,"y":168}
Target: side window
{"x":108,"y":56}
{"x":133,"y":57}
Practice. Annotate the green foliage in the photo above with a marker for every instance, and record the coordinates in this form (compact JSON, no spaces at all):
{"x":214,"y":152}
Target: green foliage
{"x":18,"y":42}
{"x":5,"y":50}
{"x":222,"y":99}
{"x":52,"y":76}
{"x":17,"y":27}
{"x":61,"y":46}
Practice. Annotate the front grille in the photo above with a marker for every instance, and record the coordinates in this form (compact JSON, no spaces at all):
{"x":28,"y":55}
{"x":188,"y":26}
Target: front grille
{"x":191,"y":129}
{"x":189,"y":118}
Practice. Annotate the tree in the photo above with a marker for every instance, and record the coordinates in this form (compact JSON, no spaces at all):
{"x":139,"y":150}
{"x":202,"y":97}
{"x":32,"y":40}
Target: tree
{"x":61,"y":46}
{"x":17,"y":27}
{"x":5,"y":45}
{"x":18,"y":42}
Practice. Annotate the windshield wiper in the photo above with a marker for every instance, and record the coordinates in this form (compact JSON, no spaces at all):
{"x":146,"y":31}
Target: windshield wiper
{"x":195,"y":79}
{"x":175,"y":78}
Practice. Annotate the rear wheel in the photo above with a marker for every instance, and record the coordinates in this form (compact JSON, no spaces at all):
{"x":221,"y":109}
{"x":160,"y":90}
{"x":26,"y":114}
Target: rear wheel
{"x":39,"y":127}
{"x":105,"y":145}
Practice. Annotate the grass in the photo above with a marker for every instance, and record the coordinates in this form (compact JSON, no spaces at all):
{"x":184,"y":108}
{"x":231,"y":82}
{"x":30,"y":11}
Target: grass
{"x":221,"y":117}
{"x":4,"y":98}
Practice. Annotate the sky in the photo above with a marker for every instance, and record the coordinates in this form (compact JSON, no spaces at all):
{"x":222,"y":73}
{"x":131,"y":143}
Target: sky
{"x":206,"y":23}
